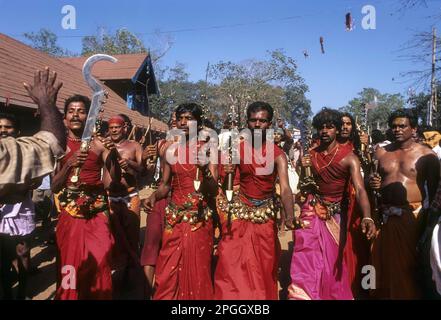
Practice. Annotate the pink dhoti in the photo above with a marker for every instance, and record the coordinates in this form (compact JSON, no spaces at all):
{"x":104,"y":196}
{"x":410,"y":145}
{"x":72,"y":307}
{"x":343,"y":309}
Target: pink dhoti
{"x":318,"y":271}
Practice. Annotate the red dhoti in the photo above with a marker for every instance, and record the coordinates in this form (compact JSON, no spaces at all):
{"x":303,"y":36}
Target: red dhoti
{"x":356,"y":251}
{"x":153,"y":234}
{"x":183,"y":269}
{"x":184,"y":263}
{"x":84,"y":251}
{"x":83,"y":234}
{"x":249,"y":249}
{"x":248,"y":261}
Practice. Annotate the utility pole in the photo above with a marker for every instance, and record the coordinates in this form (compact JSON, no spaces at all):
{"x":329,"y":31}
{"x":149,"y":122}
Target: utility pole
{"x":432,"y":104}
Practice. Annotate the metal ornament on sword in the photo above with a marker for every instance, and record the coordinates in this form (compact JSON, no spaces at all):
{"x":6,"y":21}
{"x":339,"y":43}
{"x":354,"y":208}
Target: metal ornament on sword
{"x":233,"y":116}
{"x":307,"y":182}
{"x":98,"y":100}
{"x":204,"y":99}
{"x":307,"y":185}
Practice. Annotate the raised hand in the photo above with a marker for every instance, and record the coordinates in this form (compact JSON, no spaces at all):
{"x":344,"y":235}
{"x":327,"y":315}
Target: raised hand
{"x":45,"y":89}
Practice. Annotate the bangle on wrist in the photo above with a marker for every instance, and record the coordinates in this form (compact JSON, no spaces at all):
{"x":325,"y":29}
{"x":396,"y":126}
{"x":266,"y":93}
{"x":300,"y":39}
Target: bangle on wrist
{"x":368,"y":218}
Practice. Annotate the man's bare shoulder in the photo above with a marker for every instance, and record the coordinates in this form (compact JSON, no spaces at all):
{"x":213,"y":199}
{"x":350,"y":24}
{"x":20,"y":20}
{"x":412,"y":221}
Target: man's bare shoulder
{"x":350,"y":159}
{"x":423,"y":150}
{"x":134,"y":144}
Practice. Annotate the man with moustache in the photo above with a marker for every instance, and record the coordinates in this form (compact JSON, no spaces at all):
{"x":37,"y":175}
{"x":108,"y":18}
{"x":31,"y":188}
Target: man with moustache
{"x":125,"y":208}
{"x":249,"y":249}
{"x":183,"y":268}
{"x":405,"y":167}
{"x":356,"y":248}
{"x":83,"y":232}
{"x":318,"y":270}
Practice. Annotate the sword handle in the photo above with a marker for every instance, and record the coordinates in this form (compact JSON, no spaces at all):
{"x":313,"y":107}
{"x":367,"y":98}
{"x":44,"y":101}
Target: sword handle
{"x":197,"y":182}
{"x":308,"y":171}
{"x":229,"y":190}
{"x":83,"y":148}
{"x":75,"y":177}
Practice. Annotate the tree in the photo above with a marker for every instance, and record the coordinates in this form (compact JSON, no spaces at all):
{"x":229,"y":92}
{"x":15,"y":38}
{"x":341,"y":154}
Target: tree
{"x":46,"y":41}
{"x":175,"y":89}
{"x":420,"y":103}
{"x":122,"y":42}
{"x":377,"y":117}
{"x":419,"y":52}
{"x":301,"y":107}
{"x":275,"y":81}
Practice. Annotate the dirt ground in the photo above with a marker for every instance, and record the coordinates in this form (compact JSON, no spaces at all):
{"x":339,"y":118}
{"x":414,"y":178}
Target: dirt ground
{"x":41,"y":284}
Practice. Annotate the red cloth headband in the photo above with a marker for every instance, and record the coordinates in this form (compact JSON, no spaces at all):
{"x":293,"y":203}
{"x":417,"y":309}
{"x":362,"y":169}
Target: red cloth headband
{"x":116,"y":119}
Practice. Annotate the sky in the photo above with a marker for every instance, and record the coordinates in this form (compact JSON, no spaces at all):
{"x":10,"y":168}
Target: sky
{"x":208,"y":31}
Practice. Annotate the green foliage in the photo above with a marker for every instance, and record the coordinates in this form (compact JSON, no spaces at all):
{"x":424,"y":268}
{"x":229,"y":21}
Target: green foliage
{"x":122,"y":42}
{"x":377,"y":117}
{"x":46,"y":41}
{"x":175,"y":89}
{"x":275,"y":81}
{"x":420,"y":103}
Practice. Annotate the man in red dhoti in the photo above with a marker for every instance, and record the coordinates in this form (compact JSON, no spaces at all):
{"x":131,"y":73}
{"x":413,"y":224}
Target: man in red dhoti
{"x":249,"y":249}
{"x":318,"y":270}
{"x":125,"y":209}
{"x":83,"y":234}
{"x":155,"y":220}
{"x":356,"y":246}
{"x":183,"y":269}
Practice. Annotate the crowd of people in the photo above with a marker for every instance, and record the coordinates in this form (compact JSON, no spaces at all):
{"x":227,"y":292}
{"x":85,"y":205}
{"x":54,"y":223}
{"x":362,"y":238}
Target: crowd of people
{"x":364,"y":210}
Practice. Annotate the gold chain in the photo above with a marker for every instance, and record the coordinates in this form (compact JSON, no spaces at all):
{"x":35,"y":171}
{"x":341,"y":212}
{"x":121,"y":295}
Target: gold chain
{"x":329,"y":163}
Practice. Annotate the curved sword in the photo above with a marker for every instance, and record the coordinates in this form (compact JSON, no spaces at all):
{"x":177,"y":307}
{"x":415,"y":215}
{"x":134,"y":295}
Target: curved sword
{"x":99,"y":94}
{"x":98,"y":99}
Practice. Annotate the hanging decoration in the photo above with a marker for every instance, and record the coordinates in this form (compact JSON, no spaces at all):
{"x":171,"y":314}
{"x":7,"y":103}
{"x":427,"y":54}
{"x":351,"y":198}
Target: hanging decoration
{"x":322,"y":47}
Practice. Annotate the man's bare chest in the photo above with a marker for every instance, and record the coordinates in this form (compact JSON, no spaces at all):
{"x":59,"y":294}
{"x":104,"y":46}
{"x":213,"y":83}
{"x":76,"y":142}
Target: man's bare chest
{"x":126,"y":152}
{"x":398,"y":162}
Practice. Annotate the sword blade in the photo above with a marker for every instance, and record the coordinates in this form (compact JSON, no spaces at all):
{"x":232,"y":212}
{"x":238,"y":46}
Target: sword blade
{"x":98,"y":93}
{"x":94,"y":111}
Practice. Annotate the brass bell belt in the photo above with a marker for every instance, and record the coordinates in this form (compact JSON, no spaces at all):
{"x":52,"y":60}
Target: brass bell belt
{"x":256,"y":214}
{"x":332,"y":207}
{"x":175,"y":214}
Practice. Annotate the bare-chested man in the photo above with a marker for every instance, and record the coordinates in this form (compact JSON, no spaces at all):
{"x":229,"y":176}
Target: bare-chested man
{"x":404,"y":168}
{"x":125,"y":207}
